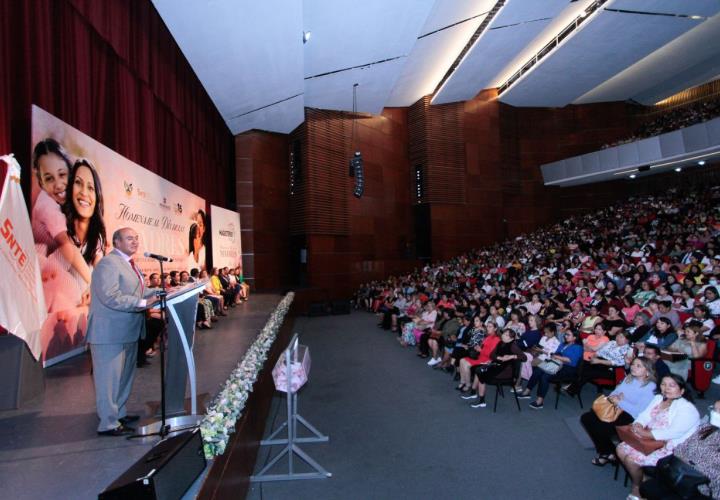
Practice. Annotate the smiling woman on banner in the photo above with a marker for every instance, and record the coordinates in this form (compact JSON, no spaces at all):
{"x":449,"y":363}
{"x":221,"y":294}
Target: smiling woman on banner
{"x":52,"y":166}
{"x":85,"y":212}
{"x":196,"y":242}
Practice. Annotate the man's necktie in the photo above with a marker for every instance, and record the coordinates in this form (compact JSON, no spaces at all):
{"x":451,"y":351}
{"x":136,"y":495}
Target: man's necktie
{"x":137,"y":271}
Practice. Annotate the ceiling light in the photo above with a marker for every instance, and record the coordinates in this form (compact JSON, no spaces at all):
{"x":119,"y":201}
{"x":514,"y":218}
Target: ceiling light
{"x":306,"y":36}
{"x":701,"y":162}
{"x":678,"y":169}
{"x":632,"y":176}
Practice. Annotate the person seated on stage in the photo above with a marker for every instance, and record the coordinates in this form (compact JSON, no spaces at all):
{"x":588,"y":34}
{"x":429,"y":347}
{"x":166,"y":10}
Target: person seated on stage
{"x":479,"y":355}
{"x":670,"y":418}
{"x":702,"y":451}
{"x":217,"y":289}
{"x":184,"y":278}
{"x":153,"y":326}
{"x":217,"y":299}
{"x":504,"y":357}
{"x":232,"y":284}
{"x":690,"y":343}
{"x":244,"y":286}
{"x":194,"y":274}
{"x":632,"y":396}
{"x":568,"y":355}
{"x":174,"y":279}
{"x":205,"y":313}
{"x":602,"y":363}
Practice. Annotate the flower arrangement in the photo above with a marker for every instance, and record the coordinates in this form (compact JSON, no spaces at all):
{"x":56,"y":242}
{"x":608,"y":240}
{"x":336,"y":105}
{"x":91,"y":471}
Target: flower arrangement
{"x":222,"y":414}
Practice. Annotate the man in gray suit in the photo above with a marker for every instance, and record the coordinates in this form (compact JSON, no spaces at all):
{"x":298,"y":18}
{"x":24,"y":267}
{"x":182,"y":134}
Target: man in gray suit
{"x":116,"y":322}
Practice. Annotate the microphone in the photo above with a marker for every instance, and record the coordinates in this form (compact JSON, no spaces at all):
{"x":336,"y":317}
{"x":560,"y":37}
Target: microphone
{"x":155,"y":256}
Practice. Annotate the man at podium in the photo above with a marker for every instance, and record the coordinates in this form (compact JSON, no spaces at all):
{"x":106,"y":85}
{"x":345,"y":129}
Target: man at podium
{"x":116,"y":322}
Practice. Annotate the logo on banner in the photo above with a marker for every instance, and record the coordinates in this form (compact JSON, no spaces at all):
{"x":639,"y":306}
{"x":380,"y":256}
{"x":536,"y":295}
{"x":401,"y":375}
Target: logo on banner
{"x":128,"y":188}
{"x":178,"y":208}
{"x":164,"y":204}
{"x":229,"y":232}
{"x":22,"y":303}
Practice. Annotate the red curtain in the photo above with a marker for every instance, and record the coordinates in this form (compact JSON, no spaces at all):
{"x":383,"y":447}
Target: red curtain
{"x":112,"y":70}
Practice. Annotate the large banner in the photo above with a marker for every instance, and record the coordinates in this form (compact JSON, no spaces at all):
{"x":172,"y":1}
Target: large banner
{"x":22,"y":304}
{"x":82,"y":192}
{"x":226,"y":251}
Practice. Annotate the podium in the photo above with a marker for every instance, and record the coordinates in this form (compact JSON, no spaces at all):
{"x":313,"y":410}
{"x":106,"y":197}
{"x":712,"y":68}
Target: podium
{"x":181,"y":312}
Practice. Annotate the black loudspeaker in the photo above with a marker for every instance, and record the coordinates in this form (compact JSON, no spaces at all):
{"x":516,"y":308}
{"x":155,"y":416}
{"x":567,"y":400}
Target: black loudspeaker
{"x":164,"y":473}
{"x":318,"y":309}
{"x":356,"y":167}
{"x":341,"y":307}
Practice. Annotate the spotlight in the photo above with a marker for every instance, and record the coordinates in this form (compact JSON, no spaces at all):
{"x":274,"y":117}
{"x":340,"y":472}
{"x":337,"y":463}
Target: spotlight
{"x":701,"y":162}
{"x":632,"y":176}
{"x":306,"y":36}
{"x":678,"y":169}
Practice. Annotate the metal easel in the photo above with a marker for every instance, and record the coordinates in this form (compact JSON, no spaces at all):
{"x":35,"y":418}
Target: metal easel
{"x":291,"y":447}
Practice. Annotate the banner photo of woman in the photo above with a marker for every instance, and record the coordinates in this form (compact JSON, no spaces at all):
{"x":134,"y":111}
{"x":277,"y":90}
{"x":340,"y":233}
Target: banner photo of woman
{"x":82,"y":191}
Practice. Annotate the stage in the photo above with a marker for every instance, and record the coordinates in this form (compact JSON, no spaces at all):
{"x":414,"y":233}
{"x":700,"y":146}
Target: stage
{"x":50,"y":448}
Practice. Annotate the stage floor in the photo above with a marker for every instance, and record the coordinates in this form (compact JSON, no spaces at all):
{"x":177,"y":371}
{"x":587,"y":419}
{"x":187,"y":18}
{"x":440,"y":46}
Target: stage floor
{"x":50,"y":448}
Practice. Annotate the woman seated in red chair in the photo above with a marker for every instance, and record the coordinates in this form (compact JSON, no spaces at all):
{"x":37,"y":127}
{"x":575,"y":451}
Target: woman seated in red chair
{"x":602,"y":363}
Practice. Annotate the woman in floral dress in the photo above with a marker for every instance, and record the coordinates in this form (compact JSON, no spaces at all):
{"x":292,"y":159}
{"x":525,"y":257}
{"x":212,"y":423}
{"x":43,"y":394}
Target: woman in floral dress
{"x":670,"y":417}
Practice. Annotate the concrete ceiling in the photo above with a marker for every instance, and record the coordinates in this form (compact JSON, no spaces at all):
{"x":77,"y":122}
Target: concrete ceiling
{"x":252,"y":61}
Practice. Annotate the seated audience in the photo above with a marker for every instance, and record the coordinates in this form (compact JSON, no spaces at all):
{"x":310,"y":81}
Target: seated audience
{"x":602,"y":363}
{"x":479,"y":355}
{"x":505,"y":355}
{"x":690,"y":345}
{"x":700,"y":451}
{"x":632,"y":396}
{"x":669,"y":419}
{"x":567,"y":357}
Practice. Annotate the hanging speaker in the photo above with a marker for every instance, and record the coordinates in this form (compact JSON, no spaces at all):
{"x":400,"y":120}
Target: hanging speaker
{"x":356,"y":168}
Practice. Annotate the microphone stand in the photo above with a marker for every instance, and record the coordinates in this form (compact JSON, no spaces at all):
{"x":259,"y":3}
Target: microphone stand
{"x":162,"y":295}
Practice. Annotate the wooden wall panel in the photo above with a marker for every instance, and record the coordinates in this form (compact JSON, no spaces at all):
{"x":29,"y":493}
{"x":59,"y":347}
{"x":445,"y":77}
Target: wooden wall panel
{"x":483,"y":184}
{"x":261,"y":165}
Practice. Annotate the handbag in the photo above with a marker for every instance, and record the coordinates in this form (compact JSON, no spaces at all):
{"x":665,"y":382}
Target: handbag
{"x":473,"y":354}
{"x":550,"y":367}
{"x":606,"y":410}
{"x":681,"y":477}
{"x":644,"y":445}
